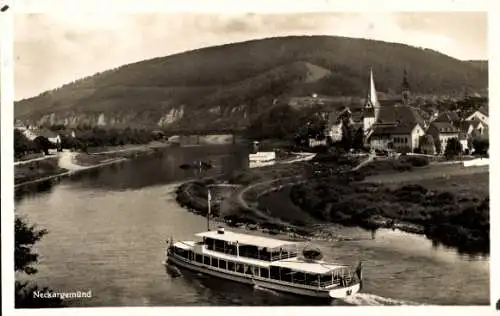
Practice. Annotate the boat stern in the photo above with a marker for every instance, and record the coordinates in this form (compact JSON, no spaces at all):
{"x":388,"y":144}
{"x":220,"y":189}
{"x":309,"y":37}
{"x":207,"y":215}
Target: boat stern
{"x":345,"y":291}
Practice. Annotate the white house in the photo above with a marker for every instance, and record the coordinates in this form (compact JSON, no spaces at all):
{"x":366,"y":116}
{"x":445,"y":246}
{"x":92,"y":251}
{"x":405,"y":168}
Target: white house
{"x":396,"y":136}
{"x":481,"y":115}
{"x":315,"y":142}
{"x":334,"y":132}
{"x":442,"y":132}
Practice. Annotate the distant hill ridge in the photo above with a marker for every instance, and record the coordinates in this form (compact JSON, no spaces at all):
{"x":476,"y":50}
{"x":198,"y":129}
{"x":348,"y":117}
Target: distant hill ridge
{"x":226,"y":86}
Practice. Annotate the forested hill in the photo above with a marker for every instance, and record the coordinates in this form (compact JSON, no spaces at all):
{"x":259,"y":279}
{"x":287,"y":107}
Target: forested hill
{"x":481,"y":64}
{"x":226,"y":86}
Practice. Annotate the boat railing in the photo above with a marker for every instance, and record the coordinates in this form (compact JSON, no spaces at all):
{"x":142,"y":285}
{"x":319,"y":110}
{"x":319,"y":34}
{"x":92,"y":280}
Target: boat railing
{"x":284,"y":255}
{"x":266,"y":256}
{"x":229,"y":251}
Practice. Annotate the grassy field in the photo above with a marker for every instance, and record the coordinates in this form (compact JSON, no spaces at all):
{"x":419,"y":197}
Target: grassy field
{"x":426,"y":173}
{"x":36,"y":170}
{"x":463,"y":185}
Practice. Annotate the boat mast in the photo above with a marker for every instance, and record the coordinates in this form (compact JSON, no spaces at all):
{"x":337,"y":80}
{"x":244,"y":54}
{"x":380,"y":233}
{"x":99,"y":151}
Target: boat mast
{"x":209,"y":199}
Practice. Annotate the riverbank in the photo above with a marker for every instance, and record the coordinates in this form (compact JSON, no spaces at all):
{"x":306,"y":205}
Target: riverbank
{"x":448,"y":203}
{"x":66,"y":163}
{"x":449,"y":206}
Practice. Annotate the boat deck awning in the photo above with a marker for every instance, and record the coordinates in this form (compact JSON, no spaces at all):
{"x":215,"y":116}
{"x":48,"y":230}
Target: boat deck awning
{"x":251,"y":240}
{"x":313,"y":267}
{"x":186,"y":245}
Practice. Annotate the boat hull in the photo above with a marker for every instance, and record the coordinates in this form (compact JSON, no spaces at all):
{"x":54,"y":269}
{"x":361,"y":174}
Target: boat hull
{"x":336,"y":292}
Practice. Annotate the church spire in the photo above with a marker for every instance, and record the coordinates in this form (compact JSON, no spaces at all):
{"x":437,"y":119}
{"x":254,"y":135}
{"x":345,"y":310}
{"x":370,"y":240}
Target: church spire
{"x":372,"y":100}
{"x":373,"y":91}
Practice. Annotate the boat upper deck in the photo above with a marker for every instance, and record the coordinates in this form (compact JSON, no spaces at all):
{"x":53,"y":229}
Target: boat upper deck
{"x":245,"y":239}
{"x":313,"y":267}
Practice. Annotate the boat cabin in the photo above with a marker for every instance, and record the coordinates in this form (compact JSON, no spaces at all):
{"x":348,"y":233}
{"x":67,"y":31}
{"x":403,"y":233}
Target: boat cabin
{"x":248,"y":246}
{"x":313,"y":273}
{"x":263,"y":258}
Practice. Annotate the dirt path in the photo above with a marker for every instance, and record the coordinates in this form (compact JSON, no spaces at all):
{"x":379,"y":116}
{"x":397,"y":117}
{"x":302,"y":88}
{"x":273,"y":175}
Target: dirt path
{"x":370,"y":158}
{"x":66,"y":161}
{"x":19,"y":163}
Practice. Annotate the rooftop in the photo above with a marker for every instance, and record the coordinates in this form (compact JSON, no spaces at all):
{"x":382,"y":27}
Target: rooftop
{"x":299,"y":264}
{"x":484,"y":109}
{"x":447,"y":116}
{"x":390,"y":129}
{"x":246,"y":239}
{"x":400,"y":113}
{"x":444,"y":127}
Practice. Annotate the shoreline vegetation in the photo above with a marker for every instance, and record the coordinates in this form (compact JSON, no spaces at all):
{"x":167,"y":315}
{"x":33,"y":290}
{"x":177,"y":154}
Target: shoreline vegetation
{"x":448,"y":203}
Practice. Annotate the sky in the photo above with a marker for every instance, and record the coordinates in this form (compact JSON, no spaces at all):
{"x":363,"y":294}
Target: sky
{"x":51,"y":49}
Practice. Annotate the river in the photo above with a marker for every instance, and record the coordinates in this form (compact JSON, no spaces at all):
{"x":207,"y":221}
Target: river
{"x":107,"y":231}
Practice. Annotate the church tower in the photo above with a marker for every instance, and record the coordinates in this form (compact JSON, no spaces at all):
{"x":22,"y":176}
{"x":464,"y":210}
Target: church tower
{"x":372,"y":106}
{"x":405,"y":90}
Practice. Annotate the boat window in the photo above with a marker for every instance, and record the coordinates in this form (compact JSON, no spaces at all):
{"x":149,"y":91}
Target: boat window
{"x":222,"y":264}
{"x":230,"y":266}
{"x":255,"y":270}
{"x":181,"y":252}
{"x":199,"y":258}
{"x":248,"y":269}
{"x":275,"y":273}
{"x":190,"y":255}
{"x":215,"y":262}
{"x":299,"y":277}
{"x":286,"y":274}
{"x":206,"y":260}
{"x":264,"y":272}
{"x":326,"y":279}
{"x":239,"y":268}
{"x":230,"y":249}
{"x":210,"y":243}
{"x":249,"y":251}
{"x":219,"y":245}
{"x":311,"y":279}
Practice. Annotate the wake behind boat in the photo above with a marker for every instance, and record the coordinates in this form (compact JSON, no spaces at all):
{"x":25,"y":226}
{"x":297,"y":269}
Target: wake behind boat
{"x":265,"y":262}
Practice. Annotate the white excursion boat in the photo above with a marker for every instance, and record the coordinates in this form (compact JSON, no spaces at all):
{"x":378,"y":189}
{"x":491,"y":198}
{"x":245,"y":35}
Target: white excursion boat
{"x":265,"y":262}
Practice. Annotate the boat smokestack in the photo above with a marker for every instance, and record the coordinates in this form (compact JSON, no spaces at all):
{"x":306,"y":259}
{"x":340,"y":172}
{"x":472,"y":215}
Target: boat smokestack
{"x":220,"y":230}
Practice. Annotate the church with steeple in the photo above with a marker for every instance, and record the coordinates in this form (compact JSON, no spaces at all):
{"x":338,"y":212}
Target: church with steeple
{"x":392,"y":123}
{"x":372,"y":107}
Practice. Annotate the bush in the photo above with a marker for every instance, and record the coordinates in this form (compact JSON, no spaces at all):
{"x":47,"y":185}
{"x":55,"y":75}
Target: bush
{"x":415,"y":161}
{"x":402,"y":166}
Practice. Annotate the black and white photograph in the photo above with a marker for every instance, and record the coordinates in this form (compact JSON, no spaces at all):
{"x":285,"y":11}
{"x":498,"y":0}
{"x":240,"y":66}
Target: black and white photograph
{"x":250,"y":159}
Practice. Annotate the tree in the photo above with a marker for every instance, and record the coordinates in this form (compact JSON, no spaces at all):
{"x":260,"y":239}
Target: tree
{"x":481,"y":146}
{"x":24,"y":259}
{"x":42,"y":143}
{"x":347,"y":137}
{"x":358,"y":139}
{"x":453,"y":147}
{"x":21,"y":144}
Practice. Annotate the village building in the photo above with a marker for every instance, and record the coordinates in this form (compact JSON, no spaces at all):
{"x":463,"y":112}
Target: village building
{"x":399,"y":137}
{"x":31,"y":133}
{"x":481,"y":114}
{"x":395,"y":124}
{"x":427,"y":145}
{"x":448,"y":116}
{"x":441,"y":133}
{"x":371,"y":108}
